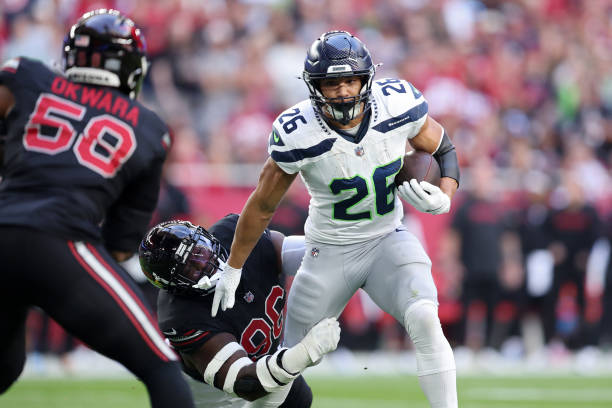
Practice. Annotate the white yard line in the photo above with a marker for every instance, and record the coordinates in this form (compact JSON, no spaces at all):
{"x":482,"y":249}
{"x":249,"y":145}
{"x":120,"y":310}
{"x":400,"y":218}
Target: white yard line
{"x":361,"y":403}
{"x":537,"y":394}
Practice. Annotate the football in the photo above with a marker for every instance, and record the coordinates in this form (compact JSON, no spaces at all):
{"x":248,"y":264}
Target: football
{"x":421,"y":166}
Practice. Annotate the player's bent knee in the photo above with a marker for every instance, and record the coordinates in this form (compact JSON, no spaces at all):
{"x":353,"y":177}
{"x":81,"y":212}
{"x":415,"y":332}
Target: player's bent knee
{"x":421,"y":320}
{"x":432,"y":351}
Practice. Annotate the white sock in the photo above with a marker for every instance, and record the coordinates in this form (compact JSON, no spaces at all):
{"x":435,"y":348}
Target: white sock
{"x":440,"y":389}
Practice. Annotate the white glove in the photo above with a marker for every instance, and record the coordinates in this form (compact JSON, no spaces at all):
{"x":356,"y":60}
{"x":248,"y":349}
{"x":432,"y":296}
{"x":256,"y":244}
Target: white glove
{"x":322,"y":339}
{"x":207,"y":282}
{"x":425,"y":197}
{"x":225,"y":291}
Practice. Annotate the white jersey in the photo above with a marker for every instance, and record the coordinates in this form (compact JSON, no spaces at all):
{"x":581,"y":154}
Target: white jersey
{"x":352,"y":193}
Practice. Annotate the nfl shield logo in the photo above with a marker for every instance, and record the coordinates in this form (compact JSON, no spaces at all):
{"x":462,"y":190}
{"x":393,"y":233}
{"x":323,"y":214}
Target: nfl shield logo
{"x":314,"y":252}
{"x":359,"y":151}
{"x":249,"y":297}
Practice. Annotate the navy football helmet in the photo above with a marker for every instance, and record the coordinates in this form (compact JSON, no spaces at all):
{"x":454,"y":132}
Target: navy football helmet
{"x":175,"y":255}
{"x":339,"y":54}
{"x":106,"y":48}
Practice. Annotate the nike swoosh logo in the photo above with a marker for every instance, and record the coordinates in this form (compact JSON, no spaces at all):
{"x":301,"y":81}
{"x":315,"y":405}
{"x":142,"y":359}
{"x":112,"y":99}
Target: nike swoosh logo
{"x":171,"y":332}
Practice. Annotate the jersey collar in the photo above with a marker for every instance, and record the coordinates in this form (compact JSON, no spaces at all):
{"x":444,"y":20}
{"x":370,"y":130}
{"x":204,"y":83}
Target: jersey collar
{"x":363,"y":129}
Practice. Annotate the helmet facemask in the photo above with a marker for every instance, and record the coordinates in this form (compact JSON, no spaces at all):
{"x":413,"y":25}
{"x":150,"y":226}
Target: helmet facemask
{"x":342,"y":109}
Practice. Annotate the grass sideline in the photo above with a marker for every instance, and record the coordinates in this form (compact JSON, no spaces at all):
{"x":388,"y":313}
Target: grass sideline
{"x":338,"y":392}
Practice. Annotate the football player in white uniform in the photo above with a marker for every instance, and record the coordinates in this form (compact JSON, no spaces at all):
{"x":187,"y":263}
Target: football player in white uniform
{"x":348,"y":143}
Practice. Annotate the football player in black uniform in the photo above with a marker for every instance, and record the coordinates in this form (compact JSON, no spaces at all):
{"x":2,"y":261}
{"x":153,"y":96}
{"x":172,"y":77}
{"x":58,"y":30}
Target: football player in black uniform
{"x":80,"y":179}
{"x":238,"y":350}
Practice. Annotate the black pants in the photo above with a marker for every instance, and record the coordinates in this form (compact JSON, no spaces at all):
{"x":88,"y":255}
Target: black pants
{"x":82,"y":288}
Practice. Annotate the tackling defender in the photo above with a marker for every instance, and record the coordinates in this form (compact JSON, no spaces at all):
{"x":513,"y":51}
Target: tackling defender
{"x":81,"y":173}
{"x":237,"y":352}
{"x":347,"y":143}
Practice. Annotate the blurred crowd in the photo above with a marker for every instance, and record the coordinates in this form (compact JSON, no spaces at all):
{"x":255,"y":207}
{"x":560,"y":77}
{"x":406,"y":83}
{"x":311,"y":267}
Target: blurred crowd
{"x":523,"y":87}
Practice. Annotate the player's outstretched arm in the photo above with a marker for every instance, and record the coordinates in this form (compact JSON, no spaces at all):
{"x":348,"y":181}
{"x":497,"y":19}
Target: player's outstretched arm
{"x":224,"y":364}
{"x":254,"y":218}
{"x":258,"y":211}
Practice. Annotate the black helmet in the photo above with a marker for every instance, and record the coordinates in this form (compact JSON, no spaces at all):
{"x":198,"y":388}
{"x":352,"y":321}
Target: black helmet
{"x":175,"y":255}
{"x":106,"y":48}
{"x":339,"y":54}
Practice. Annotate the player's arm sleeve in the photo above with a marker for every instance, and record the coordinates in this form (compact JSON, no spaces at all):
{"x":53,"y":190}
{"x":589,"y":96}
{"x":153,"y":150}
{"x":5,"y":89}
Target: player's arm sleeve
{"x":445,"y":153}
{"x":446,"y":156}
{"x":128,"y":218}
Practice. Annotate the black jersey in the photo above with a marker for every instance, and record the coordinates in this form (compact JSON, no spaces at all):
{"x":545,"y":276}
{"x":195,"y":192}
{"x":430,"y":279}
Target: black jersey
{"x":256,"y":319}
{"x":78,"y":157}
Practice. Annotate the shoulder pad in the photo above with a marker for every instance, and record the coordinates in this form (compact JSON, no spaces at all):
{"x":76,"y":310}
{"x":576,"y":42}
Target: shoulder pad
{"x":298,"y":137}
{"x":11,"y":65}
{"x":26,"y":69}
{"x":22,"y":73}
{"x":397,"y":95}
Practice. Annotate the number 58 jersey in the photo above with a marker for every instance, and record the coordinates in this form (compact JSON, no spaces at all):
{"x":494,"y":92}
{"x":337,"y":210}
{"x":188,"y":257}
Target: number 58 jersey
{"x":77,"y":156}
{"x":350,"y":179}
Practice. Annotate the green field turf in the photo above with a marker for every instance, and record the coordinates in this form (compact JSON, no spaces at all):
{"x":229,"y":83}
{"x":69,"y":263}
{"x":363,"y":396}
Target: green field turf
{"x":354,"y":392}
